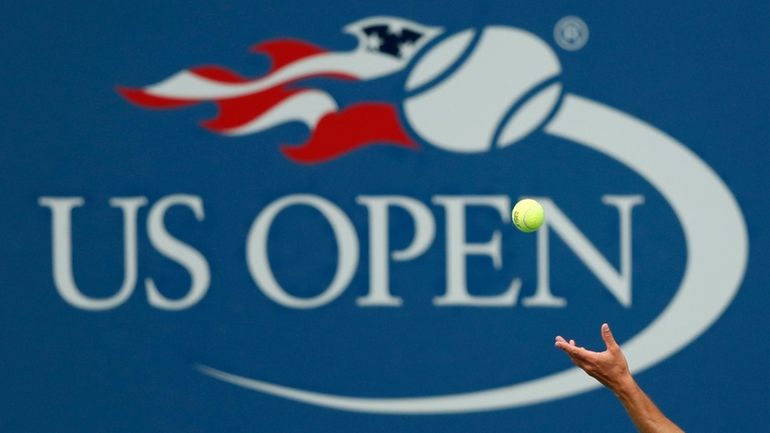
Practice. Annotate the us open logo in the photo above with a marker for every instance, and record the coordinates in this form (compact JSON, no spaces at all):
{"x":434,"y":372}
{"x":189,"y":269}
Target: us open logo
{"x":469,"y":92}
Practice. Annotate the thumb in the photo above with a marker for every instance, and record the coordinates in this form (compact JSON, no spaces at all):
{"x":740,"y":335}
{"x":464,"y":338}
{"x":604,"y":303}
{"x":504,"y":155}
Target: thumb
{"x":609,"y":340}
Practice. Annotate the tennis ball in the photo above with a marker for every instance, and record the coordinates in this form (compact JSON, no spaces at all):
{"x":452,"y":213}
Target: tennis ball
{"x":472,"y":95}
{"x":528,"y":215}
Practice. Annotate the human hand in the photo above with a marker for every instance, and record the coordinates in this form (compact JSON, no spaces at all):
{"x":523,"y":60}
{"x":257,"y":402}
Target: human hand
{"x":608,"y":367}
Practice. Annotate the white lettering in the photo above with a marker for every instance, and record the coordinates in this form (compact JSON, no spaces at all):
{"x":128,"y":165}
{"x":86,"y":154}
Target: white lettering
{"x":190,"y":258}
{"x":379,"y":272}
{"x":457,"y":249}
{"x":61,"y":228}
{"x":618,"y":283}
{"x":259,"y":263}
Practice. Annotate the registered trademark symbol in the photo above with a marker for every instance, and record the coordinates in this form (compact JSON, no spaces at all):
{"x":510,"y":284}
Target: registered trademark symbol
{"x":571,"y":33}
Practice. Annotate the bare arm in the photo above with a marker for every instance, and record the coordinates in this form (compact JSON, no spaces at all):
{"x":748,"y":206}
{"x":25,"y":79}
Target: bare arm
{"x":611,"y":369}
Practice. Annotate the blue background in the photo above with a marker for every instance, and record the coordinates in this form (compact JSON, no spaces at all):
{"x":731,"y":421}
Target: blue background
{"x":698,"y":71}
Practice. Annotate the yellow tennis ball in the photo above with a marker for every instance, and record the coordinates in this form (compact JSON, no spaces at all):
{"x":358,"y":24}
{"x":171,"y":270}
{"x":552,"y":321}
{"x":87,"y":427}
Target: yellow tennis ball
{"x":528,"y":215}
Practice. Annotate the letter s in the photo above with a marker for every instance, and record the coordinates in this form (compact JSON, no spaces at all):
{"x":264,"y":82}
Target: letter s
{"x":190,"y":258}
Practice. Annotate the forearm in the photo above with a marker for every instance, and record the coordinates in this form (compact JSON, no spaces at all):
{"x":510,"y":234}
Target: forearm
{"x":643,"y":412}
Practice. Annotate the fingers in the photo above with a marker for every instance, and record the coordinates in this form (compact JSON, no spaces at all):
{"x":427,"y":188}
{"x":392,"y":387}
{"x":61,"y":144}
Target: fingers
{"x":562,"y":344}
{"x":609,"y":339}
{"x":570,"y":347}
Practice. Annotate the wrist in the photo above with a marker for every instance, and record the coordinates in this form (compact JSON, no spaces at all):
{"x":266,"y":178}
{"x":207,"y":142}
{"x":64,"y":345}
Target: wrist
{"x":625,"y":387}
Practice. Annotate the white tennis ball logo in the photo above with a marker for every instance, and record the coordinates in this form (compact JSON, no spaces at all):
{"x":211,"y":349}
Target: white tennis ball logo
{"x":502,"y":89}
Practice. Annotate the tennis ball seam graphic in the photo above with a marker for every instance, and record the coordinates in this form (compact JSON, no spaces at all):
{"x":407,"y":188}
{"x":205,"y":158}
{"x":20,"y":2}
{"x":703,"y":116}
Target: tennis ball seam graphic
{"x":524,"y":219}
{"x":426,"y":73}
{"x":516,"y":99}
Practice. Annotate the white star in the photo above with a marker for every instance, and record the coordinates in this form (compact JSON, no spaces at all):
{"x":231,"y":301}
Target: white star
{"x":407,"y":49}
{"x":373,"y":42}
{"x":396,"y":27}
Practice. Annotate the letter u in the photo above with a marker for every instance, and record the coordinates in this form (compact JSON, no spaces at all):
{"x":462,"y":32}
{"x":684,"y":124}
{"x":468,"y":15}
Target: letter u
{"x":61,"y":245}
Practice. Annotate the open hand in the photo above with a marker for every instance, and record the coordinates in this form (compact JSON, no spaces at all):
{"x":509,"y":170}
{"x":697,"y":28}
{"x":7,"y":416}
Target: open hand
{"x":608,"y":367}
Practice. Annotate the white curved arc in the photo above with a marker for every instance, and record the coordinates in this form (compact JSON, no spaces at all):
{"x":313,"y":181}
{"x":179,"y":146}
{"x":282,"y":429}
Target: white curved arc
{"x":714,"y":228}
{"x":559,"y":385}
{"x":705,"y":290}
{"x":530,"y":115}
{"x":360,"y":64}
{"x":439,"y":59}
{"x":307,"y":107}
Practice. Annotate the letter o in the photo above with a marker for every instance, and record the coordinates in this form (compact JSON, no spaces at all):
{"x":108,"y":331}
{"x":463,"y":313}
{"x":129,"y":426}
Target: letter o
{"x":259,"y":263}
